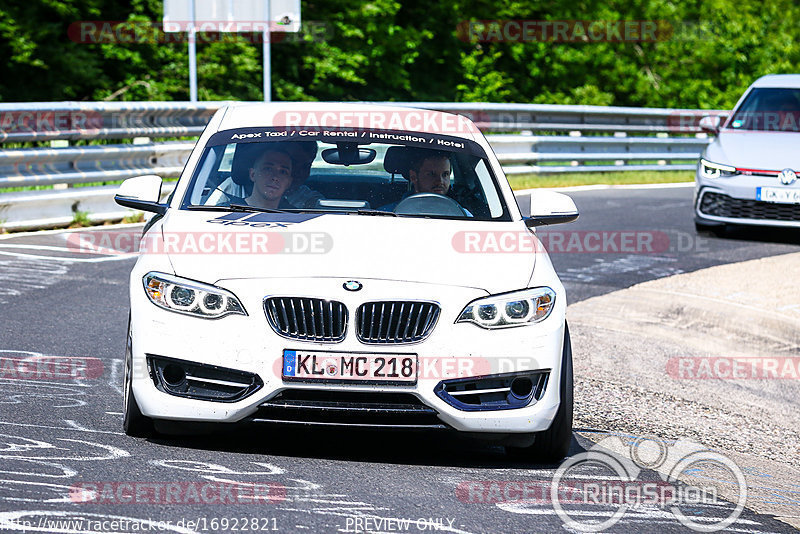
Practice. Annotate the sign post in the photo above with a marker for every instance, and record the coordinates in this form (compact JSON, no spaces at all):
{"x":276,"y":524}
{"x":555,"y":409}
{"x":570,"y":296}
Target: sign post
{"x":193,"y":55}
{"x":267,"y":59}
{"x":231,"y":16}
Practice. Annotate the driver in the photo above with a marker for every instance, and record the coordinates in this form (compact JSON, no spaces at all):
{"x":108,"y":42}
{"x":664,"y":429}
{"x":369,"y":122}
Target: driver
{"x":428,"y":172}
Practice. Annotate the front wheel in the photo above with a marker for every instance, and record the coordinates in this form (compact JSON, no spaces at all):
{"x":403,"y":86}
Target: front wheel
{"x":552,"y":445}
{"x":134,"y":423}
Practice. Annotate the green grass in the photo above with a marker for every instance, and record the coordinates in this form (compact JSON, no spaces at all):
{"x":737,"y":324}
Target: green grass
{"x":80,"y":219}
{"x":529,"y":181}
{"x":88,"y":184}
{"x":521,"y":181}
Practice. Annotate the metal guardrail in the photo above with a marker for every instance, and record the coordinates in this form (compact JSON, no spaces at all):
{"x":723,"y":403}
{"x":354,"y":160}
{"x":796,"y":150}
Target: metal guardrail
{"x":45,"y":121}
{"x":522,"y":154}
{"x":103,"y":163}
{"x":650,"y":139}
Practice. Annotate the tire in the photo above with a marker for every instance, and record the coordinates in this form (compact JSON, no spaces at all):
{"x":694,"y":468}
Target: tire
{"x":134,"y":423}
{"x":717,"y":230}
{"x":552,"y":445}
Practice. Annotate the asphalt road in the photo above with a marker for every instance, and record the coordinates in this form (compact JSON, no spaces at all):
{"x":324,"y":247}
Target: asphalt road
{"x":59,"y":436}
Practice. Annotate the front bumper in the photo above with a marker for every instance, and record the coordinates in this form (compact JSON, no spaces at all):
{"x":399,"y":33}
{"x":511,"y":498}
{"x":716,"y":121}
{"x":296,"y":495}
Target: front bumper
{"x":248,"y":344}
{"x":733,"y":201}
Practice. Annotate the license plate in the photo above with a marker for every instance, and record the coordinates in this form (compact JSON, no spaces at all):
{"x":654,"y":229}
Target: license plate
{"x":775,"y":194}
{"x":325,"y":366}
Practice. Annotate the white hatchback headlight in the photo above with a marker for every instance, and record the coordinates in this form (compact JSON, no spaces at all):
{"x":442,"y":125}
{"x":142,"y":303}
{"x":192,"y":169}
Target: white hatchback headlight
{"x":510,"y":309}
{"x":715,"y":170}
{"x":187,"y":296}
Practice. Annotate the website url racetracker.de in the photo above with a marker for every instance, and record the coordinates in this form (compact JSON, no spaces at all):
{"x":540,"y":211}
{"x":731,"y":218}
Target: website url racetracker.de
{"x":86,"y":524}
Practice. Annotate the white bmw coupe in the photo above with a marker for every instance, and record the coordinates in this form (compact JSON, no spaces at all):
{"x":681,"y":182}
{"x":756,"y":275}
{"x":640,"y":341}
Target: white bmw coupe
{"x":348,"y":265}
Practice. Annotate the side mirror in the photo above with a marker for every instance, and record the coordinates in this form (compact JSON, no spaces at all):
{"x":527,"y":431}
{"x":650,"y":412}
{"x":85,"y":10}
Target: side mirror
{"x":549,"y":207}
{"x":141,"y":193}
{"x":710,"y":124}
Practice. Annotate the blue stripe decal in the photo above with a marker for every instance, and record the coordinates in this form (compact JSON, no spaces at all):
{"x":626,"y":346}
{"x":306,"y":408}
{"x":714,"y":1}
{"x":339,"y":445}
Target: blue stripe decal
{"x":282,"y":217}
{"x":235,"y":216}
{"x":288,"y":363}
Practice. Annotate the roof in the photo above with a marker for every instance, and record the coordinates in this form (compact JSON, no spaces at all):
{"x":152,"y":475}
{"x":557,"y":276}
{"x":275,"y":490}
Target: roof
{"x":350,"y":115}
{"x":778,"y":81}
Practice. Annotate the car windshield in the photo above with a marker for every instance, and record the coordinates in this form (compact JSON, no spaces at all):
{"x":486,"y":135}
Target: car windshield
{"x":369,"y":172}
{"x":769,"y":109}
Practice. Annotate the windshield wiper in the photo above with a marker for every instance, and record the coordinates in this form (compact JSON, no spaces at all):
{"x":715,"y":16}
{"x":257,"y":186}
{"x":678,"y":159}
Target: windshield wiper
{"x":376,"y":212}
{"x":234,"y":207}
{"x":245,"y":207}
{"x":200,"y":207}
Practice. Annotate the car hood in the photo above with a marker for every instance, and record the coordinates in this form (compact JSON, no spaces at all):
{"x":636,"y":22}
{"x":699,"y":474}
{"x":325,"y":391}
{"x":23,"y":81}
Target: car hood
{"x":213,"y":246}
{"x":756,"y":150}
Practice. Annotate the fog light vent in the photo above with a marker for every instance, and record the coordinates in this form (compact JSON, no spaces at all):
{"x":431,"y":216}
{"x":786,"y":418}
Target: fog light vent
{"x":199,"y":381}
{"x":494,"y":392}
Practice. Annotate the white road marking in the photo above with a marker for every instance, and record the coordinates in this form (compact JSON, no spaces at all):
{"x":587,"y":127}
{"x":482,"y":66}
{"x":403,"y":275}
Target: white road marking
{"x":30,"y":425}
{"x":210,"y":469}
{"x":18,"y":277}
{"x":57,"y":488}
{"x":657,"y":266}
{"x":601,"y":187}
{"x":114,"y":381}
{"x":63,"y":231}
{"x":111,"y":452}
{"x":64,"y":259}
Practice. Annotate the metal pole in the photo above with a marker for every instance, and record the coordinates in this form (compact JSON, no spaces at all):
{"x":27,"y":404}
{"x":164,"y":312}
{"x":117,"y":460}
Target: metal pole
{"x":267,"y":64}
{"x":193,"y":57}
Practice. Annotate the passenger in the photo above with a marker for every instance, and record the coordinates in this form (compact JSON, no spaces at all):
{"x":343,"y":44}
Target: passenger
{"x":272,"y":176}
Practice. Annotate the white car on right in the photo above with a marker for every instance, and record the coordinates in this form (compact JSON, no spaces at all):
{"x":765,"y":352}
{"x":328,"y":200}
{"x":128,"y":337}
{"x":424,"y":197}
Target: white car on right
{"x":749,"y":174}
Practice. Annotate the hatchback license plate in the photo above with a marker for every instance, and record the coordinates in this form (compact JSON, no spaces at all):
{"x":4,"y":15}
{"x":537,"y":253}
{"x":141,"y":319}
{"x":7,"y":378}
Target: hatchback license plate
{"x":775,"y":194}
{"x":322,"y":366}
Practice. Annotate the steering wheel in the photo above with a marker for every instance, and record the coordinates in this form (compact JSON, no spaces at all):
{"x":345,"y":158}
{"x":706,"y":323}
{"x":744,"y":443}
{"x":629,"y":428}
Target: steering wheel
{"x":430,"y":204}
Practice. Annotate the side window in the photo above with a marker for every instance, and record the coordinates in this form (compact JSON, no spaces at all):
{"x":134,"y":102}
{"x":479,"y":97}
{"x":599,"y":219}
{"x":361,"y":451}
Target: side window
{"x":489,"y":190}
{"x":227,"y":158}
{"x":203,"y":184}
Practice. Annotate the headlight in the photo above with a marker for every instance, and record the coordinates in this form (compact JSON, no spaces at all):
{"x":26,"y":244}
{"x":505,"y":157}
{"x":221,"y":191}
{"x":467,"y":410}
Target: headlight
{"x":715,"y":170}
{"x":190,"y":297}
{"x":510,"y":309}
